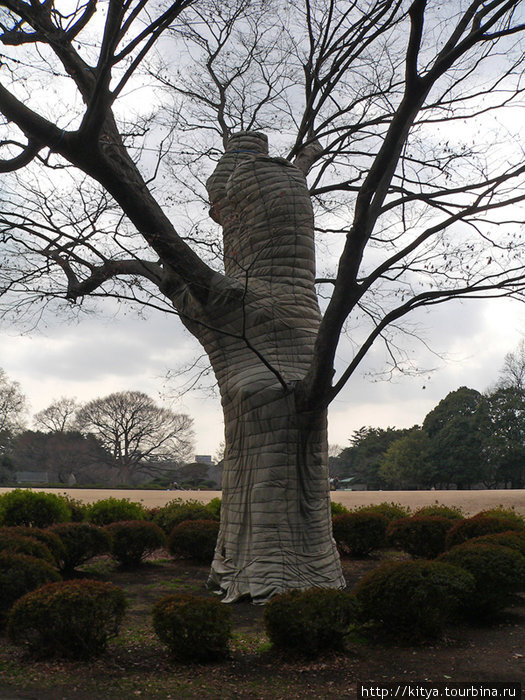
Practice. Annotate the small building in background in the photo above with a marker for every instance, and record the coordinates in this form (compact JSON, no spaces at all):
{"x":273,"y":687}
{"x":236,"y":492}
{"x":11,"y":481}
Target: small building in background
{"x":34,"y":478}
{"x":203,"y":459}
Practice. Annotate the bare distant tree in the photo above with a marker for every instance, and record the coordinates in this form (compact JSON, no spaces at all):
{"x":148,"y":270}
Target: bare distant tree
{"x":512,"y":374}
{"x":398,"y":112}
{"x":138,"y":434}
{"x":13,"y":405}
{"x":58,"y":417}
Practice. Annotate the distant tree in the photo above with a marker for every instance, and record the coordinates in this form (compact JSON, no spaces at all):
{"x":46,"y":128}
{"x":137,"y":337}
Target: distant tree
{"x":192,"y":474}
{"x":12,"y":405}
{"x":362,"y":459}
{"x":512,"y":373}
{"x":406,"y":463}
{"x":58,"y":417}
{"x":505,"y":438}
{"x":456,"y":428}
{"x":139,"y":434}
{"x":61,"y":454}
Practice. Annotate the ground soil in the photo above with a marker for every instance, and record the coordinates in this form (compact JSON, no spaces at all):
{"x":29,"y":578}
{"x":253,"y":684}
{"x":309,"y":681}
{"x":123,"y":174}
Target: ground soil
{"x":137,"y":666}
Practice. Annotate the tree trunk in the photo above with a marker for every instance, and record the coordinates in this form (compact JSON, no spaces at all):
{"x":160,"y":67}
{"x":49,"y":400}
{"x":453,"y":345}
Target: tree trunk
{"x":259,"y":329}
{"x":275,"y":517}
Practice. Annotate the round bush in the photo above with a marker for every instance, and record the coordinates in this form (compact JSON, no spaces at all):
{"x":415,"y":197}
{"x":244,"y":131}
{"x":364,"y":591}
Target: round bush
{"x":419,"y":536}
{"x":113,"y":510}
{"x":10,"y":542}
{"x":391,"y":511}
{"x":477,"y":526}
{"x":498,"y":572}
{"x":133,"y":540}
{"x":337,"y":508}
{"x":193,"y":628}
{"x":46,"y":537}
{"x":194,"y":539}
{"x":76,"y":506}
{"x":20,"y":574}
{"x":413,"y":599}
{"x":442,"y":511}
{"x":72,"y":619}
{"x":512,"y":539}
{"x":360,"y":532}
{"x":310,"y":621}
{"x":214,"y":506}
{"x":81,"y":541}
{"x":34,"y":509}
{"x":505,"y":514}
{"x":178,"y":511}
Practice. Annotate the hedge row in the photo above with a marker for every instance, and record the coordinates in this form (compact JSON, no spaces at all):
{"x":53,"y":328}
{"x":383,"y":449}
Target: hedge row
{"x":427,"y":533}
{"x":40,"y":509}
{"x":412,"y":600}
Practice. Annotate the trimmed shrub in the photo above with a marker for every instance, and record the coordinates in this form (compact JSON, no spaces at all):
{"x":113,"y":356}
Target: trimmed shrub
{"x":214,"y":506}
{"x":82,"y":542}
{"x":10,"y":542}
{"x":442,"y":511}
{"x":194,"y":539}
{"x":360,"y":532}
{"x":337,"y":508}
{"x":114,"y":510}
{"x":413,"y":599}
{"x":20,"y":574}
{"x":178,"y":511}
{"x":33,"y":509}
{"x":193,"y":628}
{"x":72,"y":619}
{"x":505,"y":514}
{"x":133,"y":540}
{"x":310,"y":621}
{"x":512,"y":539}
{"x":477,"y":526}
{"x":78,"y":508}
{"x":391,"y":511}
{"x":498,"y":572}
{"x":47,"y":538}
{"x":419,"y":536}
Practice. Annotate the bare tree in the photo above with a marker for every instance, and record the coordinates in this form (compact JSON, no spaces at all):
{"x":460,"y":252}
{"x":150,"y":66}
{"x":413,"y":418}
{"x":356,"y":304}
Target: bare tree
{"x":12,"y":405}
{"x":397,"y":111}
{"x":137,"y":433}
{"x":58,"y":417}
{"x":512,"y":374}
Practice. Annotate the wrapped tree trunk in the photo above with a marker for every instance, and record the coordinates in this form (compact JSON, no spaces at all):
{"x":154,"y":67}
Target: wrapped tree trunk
{"x":275,"y":518}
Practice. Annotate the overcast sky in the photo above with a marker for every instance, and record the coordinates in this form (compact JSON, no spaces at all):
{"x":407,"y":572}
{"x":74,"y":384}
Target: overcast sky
{"x":99,"y":355}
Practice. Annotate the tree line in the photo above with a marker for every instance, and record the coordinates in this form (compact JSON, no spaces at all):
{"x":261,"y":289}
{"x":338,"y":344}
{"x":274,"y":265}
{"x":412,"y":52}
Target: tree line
{"x":121,"y":438}
{"x":469,"y":439}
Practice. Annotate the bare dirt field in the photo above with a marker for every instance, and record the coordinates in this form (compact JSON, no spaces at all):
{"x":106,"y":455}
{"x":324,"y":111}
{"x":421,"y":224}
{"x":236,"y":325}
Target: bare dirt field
{"x":470,"y":501}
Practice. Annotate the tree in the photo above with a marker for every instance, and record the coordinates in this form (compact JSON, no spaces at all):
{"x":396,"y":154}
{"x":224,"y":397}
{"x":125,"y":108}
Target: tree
{"x":512,"y":374}
{"x":457,"y":429}
{"x":61,"y":454}
{"x":406,"y":464}
{"x":505,"y":439}
{"x":388,"y":106}
{"x":363,"y":458}
{"x":58,"y":417}
{"x":137,"y":433}
{"x":12,"y":405}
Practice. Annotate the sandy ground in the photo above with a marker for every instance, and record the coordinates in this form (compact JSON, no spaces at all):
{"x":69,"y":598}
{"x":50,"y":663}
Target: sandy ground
{"x":470,"y":501}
